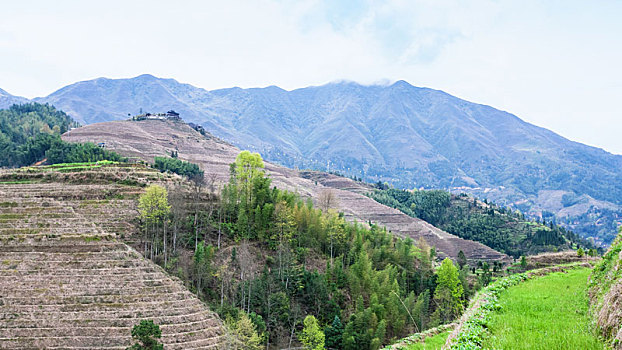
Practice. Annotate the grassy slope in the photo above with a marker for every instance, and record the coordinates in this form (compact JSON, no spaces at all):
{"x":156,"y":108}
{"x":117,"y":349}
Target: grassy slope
{"x":549,"y":312}
{"x":606,"y":294}
{"x":431,"y":343}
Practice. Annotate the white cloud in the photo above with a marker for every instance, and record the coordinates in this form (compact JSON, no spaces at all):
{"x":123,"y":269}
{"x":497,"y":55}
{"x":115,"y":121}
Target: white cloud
{"x":555,"y":64}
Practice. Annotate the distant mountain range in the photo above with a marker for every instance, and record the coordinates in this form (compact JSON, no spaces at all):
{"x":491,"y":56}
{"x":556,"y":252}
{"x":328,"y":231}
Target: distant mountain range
{"x":407,"y":136}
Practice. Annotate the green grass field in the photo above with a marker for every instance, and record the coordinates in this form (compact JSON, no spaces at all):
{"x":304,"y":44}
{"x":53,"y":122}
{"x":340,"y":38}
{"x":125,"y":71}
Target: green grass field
{"x":549,"y":312}
{"x":431,"y":343}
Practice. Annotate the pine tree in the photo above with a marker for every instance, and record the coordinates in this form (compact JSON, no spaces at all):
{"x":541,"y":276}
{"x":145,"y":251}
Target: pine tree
{"x":334,"y":334}
{"x":462,"y":260}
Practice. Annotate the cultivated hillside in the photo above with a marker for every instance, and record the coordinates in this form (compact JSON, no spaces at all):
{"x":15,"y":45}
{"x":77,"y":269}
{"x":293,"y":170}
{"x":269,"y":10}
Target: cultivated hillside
{"x":405,"y":135}
{"x":150,"y":138}
{"x":67,"y":282}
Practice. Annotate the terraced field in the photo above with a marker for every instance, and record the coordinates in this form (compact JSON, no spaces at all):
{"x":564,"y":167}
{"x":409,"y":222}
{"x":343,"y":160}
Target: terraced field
{"x":66,"y":281}
{"x":548,"y":312}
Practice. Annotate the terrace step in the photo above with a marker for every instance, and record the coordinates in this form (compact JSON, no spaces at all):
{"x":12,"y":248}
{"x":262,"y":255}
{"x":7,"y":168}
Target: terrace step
{"x":67,"y":283}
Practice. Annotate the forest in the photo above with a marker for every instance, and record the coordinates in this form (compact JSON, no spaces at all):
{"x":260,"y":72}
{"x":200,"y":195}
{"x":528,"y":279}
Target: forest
{"x":500,"y":228}
{"x":283,"y":272}
{"x":30,"y":133}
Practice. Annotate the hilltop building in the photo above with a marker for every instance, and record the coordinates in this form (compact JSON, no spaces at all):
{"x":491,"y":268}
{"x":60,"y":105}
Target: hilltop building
{"x":170,"y":115}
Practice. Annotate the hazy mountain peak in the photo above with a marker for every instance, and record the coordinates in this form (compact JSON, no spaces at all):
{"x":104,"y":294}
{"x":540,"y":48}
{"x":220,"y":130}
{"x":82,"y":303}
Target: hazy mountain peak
{"x":402,"y":83}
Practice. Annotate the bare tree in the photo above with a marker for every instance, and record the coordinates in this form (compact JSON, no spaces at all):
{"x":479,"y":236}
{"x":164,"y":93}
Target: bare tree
{"x":199,"y":182}
{"x":327,"y":200}
{"x":247,"y":272}
{"x":177,"y":200}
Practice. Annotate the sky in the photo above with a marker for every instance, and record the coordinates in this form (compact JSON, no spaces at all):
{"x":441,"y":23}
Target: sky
{"x":556,"y":64}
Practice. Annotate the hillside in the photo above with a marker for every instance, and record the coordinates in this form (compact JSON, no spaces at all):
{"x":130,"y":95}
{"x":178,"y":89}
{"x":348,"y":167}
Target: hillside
{"x":150,"y":138}
{"x":409,"y":136}
{"x":497,"y":227}
{"x":606,"y":294}
{"x":66,"y":278}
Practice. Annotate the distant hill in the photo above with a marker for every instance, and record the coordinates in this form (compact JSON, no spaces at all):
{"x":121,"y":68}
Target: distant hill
{"x":408,"y":136}
{"x":7,"y":100}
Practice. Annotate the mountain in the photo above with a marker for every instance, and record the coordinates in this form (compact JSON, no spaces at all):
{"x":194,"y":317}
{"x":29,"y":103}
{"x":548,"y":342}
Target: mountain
{"x":7,"y":100}
{"x":408,"y":136}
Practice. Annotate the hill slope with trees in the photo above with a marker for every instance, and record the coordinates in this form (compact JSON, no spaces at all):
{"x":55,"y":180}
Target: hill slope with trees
{"x":499,"y":228}
{"x":30,"y":133}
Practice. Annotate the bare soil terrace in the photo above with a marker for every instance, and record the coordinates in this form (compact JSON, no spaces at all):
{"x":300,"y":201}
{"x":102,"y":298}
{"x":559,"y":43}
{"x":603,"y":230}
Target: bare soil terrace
{"x":68,"y":282}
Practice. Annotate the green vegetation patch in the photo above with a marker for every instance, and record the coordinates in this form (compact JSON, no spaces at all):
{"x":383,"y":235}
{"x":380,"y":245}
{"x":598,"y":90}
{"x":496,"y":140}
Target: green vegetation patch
{"x":431,"y":343}
{"x":549,"y":312}
{"x":19,"y":231}
{"x":178,"y":166}
{"x":11,"y":216}
{"x":16,"y":182}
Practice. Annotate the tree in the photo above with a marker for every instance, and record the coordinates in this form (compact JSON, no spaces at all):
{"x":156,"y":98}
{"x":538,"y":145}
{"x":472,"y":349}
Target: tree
{"x":203,"y":256}
{"x":462,"y":260}
{"x":580,"y":252}
{"x":154,"y":208}
{"x":523,"y":262}
{"x":448,"y":293}
{"x":335,"y":230}
{"x":247,"y":169}
{"x":333,"y":334}
{"x":312,"y":337}
{"x":146,"y":334}
{"x":327,"y":200}
{"x":246,"y":337}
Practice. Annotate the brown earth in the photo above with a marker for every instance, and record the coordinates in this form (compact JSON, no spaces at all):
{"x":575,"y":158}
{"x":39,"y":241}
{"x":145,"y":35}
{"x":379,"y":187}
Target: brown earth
{"x":146,"y":139}
{"x":66,"y":282}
